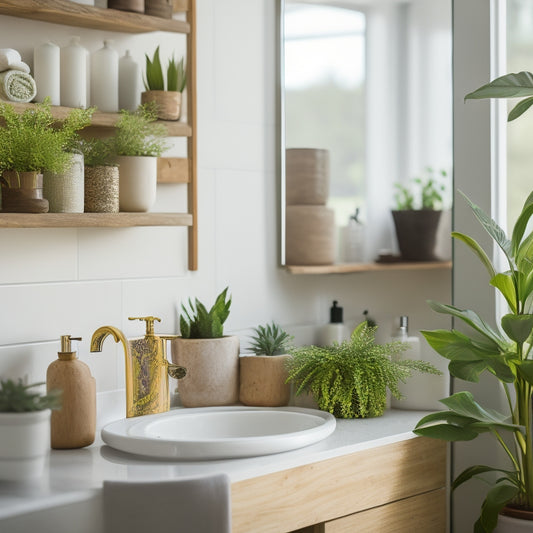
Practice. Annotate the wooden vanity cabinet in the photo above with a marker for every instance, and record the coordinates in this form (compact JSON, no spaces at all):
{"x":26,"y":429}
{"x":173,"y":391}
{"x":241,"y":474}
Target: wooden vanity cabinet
{"x":394,"y":488}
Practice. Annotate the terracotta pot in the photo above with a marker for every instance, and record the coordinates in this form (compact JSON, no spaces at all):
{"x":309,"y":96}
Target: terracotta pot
{"x":416,"y":231}
{"x":24,"y":444}
{"x":64,"y":191}
{"x":136,"y":6}
{"x":262,"y":380}
{"x":137,"y":182}
{"x":212,"y":370}
{"x":307,"y":176}
{"x":101,"y":189}
{"x":22,"y":192}
{"x":168,"y":103}
{"x":513,"y":520}
{"x":158,"y":8}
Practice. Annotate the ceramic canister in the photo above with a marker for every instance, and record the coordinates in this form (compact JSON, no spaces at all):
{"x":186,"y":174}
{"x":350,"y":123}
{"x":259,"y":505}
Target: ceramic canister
{"x":104,"y":78}
{"x":46,"y":72}
{"x":74,"y":74}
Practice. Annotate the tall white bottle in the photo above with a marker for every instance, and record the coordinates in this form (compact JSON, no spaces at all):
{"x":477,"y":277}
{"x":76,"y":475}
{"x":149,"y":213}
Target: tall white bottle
{"x":129,"y":95}
{"x":46,"y":72}
{"x":104,"y":78}
{"x":74,"y":74}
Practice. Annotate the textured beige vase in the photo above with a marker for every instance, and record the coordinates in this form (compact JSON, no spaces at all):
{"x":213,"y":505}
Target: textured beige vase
{"x":309,"y":235}
{"x":212,"y":370}
{"x":307,"y":176}
{"x":263,"y":380}
{"x":168,"y":103}
{"x":101,"y":189}
{"x":64,"y":191}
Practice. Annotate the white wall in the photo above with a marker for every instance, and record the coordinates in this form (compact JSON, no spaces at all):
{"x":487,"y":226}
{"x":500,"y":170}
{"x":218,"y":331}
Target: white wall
{"x":71,"y":281}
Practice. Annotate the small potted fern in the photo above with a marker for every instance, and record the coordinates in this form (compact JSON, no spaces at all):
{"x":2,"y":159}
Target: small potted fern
{"x":350,"y":379}
{"x":210,"y":357}
{"x":263,"y":380}
{"x":24,"y":429}
{"x":167,"y":100}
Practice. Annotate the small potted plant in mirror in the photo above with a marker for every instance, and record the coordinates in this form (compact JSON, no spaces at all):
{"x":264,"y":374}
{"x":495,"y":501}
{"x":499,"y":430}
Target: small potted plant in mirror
{"x":24,"y":428}
{"x":350,"y":379}
{"x":31,"y":142}
{"x":168,"y":101}
{"x":139,"y":140}
{"x":101,"y":176}
{"x":263,"y":376}
{"x":210,"y":357}
{"x":417,"y":215}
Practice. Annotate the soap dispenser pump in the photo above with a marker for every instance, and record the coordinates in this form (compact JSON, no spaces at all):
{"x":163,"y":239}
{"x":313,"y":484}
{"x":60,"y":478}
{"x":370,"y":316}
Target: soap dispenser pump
{"x":74,"y":425}
{"x":335,"y":331}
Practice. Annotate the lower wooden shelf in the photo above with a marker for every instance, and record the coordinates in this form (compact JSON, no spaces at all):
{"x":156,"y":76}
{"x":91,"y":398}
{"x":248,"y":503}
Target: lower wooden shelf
{"x":348,"y":268}
{"x":93,"y":220}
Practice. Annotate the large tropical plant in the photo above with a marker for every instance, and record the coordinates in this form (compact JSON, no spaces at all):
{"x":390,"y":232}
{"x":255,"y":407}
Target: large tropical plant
{"x":505,"y":354}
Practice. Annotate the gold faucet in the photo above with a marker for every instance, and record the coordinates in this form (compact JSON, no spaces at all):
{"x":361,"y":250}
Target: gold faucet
{"x":147,"y":368}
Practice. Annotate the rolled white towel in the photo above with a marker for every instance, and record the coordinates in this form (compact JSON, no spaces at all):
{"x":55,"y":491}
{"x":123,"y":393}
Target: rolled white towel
{"x":10,"y":60}
{"x":17,"y":86}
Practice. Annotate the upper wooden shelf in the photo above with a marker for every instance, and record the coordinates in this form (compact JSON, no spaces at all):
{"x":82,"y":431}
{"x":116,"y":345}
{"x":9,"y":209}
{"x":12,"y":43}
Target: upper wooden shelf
{"x":96,"y":18}
{"x":348,"y":268}
{"x":93,"y":220}
{"x":175,"y":128}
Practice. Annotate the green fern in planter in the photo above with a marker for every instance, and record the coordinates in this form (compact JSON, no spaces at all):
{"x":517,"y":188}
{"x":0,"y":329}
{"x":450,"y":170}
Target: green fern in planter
{"x":16,"y":397}
{"x":202,"y":324}
{"x":270,"y":340}
{"x":350,"y":379}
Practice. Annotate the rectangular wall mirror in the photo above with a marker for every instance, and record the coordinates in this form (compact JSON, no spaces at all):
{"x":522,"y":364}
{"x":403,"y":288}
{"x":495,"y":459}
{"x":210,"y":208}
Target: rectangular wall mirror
{"x":366,"y":102}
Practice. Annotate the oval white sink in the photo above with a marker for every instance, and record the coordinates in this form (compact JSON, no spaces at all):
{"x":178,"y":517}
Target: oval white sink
{"x":219,"y":432}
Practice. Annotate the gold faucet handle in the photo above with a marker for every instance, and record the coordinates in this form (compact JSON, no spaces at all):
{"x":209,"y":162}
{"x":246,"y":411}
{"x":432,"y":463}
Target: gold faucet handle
{"x":176,"y":371}
{"x":149,"y":323}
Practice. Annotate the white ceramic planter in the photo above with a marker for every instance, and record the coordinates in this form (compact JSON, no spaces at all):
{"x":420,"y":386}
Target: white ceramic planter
{"x":24,"y":444}
{"x":212,"y":370}
{"x":137,"y":183}
{"x":508,"y":524}
{"x":65,"y":191}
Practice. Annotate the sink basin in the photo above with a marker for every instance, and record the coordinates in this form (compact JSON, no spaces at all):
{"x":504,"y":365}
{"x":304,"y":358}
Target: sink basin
{"x":204,"y":433}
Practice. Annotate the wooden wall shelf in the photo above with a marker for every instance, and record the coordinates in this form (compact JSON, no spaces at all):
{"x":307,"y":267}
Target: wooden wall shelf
{"x":93,"y":220}
{"x":351,"y":268}
{"x":96,"y":18}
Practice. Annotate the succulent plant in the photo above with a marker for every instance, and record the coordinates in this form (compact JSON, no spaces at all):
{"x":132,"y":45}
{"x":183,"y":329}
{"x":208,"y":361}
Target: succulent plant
{"x":16,"y":397}
{"x":202,"y":324}
{"x":270,"y":340}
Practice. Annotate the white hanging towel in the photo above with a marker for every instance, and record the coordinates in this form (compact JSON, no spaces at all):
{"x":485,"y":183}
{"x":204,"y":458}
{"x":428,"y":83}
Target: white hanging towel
{"x":10,"y":60}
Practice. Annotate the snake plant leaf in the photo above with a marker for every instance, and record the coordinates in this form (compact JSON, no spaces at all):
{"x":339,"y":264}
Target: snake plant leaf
{"x":518,"y":327}
{"x":504,"y":283}
{"x":497,"y":498}
{"x":476,"y":248}
{"x":514,"y":85}
{"x":477,"y":470}
{"x":172,"y":75}
{"x":154,"y":73}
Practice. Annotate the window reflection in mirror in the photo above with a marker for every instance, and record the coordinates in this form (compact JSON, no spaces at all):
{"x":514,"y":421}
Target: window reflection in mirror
{"x":367,"y":103}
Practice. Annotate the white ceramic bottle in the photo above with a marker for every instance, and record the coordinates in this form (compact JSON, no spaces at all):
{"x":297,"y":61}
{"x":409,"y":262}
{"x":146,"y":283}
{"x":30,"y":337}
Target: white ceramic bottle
{"x":129,"y":96}
{"x":46,"y":72}
{"x":335,"y":331}
{"x":74,"y":74}
{"x":104,"y":78}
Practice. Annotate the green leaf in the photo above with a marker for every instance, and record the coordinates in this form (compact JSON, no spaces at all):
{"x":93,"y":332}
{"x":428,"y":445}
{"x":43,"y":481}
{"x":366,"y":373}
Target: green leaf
{"x":464,"y":404}
{"x":476,"y":470}
{"x":504,"y":283}
{"x":477,"y":250}
{"x":154,"y":73}
{"x":467,"y":370}
{"x":447,"y":432}
{"x":519,"y":109}
{"x":518,"y":327}
{"x":497,"y":498}
{"x":525,"y":370}
{"x":521,"y":223}
{"x":508,"y":86}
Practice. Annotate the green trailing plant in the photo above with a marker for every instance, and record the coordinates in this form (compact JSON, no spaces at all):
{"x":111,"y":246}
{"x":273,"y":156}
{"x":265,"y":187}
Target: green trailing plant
{"x":270,"y":340}
{"x":33,"y":141}
{"x":138,"y":133}
{"x":350,"y":379}
{"x":154,"y":80}
{"x":199,"y":323}
{"x":98,"y":152}
{"x":424,"y":193}
{"x":17,"y":397}
{"x":505,"y":354}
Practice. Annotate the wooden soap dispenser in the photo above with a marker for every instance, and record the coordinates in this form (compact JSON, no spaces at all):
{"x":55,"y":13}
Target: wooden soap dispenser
{"x":74,"y":425}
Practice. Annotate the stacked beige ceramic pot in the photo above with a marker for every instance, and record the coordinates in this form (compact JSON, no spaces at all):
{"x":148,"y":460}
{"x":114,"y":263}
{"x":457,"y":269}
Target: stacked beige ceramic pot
{"x":309,"y":224}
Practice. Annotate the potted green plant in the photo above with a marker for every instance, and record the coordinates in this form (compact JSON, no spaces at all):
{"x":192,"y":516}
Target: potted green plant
{"x":24,"y":428}
{"x":210,"y":357}
{"x":417,"y":215}
{"x":505,"y":354}
{"x":263,"y":376}
{"x":30,"y":143}
{"x":65,"y":190}
{"x":350,"y":379}
{"x":167,"y":99}
{"x":139,"y":140}
{"x":101,"y":193}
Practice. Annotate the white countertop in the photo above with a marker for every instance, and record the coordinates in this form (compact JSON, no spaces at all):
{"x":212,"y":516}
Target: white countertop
{"x":77,"y":475}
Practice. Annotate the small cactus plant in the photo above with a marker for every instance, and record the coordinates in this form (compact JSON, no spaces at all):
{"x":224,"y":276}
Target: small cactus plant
{"x":270,"y":340}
